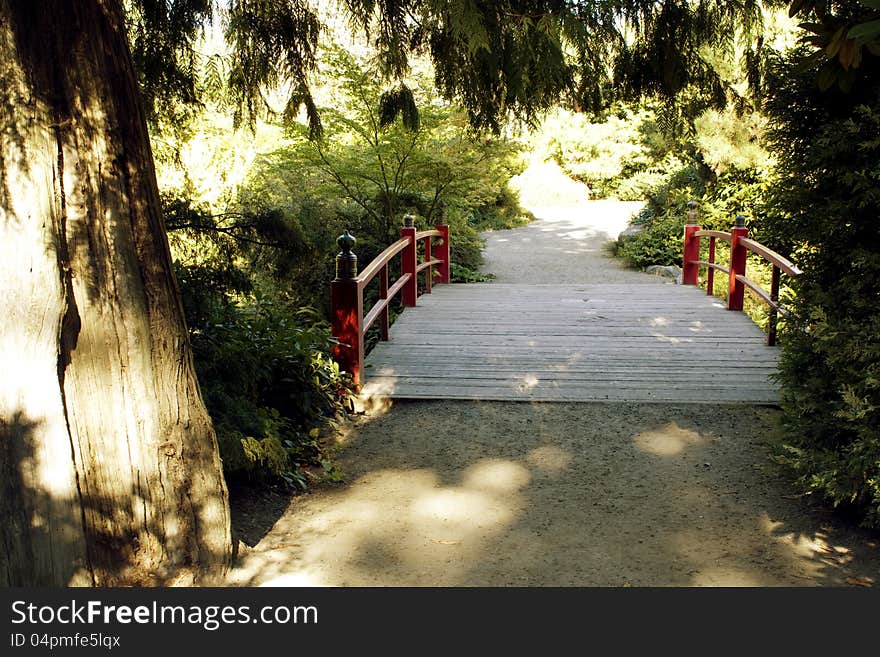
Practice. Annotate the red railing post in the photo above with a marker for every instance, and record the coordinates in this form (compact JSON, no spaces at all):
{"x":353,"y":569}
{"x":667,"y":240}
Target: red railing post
{"x":736,"y":289}
{"x":441,"y":252}
{"x":384,"y":318}
{"x":429,"y":270}
{"x":347,"y":311}
{"x":690,"y":270}
{"x":710,"y":275}
{"x":409,"y":262}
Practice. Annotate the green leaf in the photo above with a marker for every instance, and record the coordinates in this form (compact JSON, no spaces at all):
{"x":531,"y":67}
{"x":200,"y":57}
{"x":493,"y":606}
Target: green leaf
{"x":810,"y":62}
{"x":826,"y":77}
{"x":836,"y":42}
{"x":864,"y":32}
{"x":796,"y":7}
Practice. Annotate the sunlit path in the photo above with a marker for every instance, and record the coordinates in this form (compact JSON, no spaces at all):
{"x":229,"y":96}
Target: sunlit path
{"x":451,"y":488}
{"x":455,"y":493}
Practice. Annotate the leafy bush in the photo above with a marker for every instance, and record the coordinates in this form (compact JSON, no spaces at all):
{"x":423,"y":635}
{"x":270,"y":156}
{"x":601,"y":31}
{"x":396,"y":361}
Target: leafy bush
{"x":725,"y":170}
{"x":825,"y":209}
{"x":663,"y":219}
{"x":459,"y":274}
{"x":269,"y":383}
{"x":607,"y":155}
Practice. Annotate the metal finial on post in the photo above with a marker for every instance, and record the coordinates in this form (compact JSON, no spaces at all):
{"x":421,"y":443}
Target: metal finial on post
{"x":740,"y":221}
{"x":692,"y":212}
{"x":346,"y":261}
{"x":408,"y":220}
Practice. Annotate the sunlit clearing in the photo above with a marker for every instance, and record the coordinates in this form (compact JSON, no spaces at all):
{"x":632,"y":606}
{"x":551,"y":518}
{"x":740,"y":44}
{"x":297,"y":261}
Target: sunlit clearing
{"x":667,"y":441}
{"x":549,"y":459}
{"x":364,"y":511}
{"x":497,"y":476}
{"x":544,"y":183}
{"x":577,"y":234}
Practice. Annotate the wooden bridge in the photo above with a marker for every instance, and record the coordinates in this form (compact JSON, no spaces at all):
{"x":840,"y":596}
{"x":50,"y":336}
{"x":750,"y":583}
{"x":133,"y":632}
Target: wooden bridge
{"x":635,"y":342}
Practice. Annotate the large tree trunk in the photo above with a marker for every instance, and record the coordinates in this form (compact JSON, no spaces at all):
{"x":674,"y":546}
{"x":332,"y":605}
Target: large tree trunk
{"x":110,"y":470}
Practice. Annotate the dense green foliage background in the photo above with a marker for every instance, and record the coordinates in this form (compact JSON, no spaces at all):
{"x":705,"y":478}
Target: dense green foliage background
{"x":253,"y":216}
{"x":824,"y":209}
{"x":665,"y":102}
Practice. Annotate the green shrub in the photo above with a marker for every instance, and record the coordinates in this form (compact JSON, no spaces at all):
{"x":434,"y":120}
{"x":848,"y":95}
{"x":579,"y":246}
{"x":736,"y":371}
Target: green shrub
{"x":825,"y":209}
{"x":268,"y":380}
{"x":663,"y":220}
{"x":659,"y":244}
{"x":459,"y":274}
{"x":601,"y":153}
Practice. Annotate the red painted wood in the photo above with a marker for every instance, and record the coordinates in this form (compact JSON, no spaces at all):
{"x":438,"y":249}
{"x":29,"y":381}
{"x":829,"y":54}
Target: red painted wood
{"x":429,"y":276}
{"x":441,"y":252}
{"x":690,"y":269}
{"x":383,"y":294}
{"x":409,"y":260}
{"x":710,"y":275}
{"x":736,"y":289}
{"x":347,"y":312}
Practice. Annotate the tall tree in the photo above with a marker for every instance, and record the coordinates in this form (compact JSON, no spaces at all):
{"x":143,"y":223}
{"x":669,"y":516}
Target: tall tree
{"x":110,"y":467}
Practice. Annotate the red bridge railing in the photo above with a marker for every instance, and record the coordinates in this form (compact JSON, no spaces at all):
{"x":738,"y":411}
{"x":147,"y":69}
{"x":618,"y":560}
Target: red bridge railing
{"x":349,"y":323}
{"x":740,"y":245}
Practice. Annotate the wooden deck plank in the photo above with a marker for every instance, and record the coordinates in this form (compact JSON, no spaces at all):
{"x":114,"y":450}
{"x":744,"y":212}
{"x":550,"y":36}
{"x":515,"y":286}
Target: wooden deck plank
{"x":647,"y":343}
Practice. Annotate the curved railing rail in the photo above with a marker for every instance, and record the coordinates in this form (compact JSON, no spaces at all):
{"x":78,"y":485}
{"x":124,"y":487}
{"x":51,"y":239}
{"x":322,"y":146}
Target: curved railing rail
{"x":740,"y":244}
{"x":349,"y":323}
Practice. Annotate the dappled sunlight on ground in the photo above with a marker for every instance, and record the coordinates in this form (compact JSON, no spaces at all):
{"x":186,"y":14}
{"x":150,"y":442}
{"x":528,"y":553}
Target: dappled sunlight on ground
{"x":549,"y":459}
{"x":497,"y":494}
{"x":528,"y":382}
{"x":405,"y":519}
{"x":667,"y":441}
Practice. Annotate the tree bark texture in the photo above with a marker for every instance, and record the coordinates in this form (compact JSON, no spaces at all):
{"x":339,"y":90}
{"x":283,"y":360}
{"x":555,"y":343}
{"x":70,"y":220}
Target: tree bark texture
{"x":109,"y":468}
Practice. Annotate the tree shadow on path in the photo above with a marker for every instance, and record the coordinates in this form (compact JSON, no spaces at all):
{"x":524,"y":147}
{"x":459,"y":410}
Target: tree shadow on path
{"x":500,"y":494}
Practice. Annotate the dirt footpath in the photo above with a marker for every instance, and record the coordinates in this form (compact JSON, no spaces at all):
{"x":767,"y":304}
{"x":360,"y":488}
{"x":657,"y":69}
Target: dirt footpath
{"x":497,"y":494}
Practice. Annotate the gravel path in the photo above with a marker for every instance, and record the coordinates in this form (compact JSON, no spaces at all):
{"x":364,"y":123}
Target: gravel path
{"x":537,"y":494}
{"x":565,"y":245}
